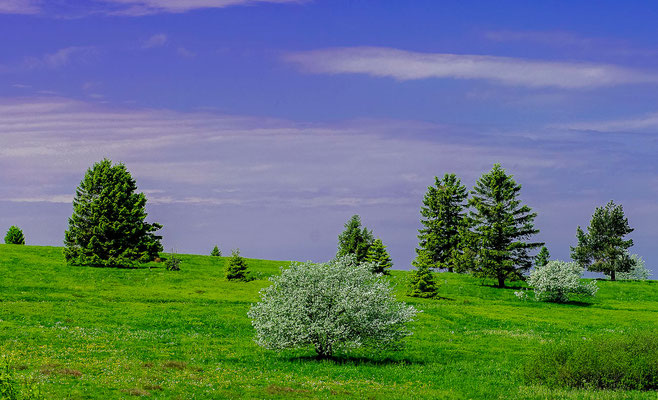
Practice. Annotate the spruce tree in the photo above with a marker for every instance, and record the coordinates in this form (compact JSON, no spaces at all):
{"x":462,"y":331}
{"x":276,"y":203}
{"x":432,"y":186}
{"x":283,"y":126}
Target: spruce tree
{"x":502,"y":226}
{"x":442,"y":215}
{"x":542,"y":257}
{"x":380,"y":258}
{"x":108,"y":226}
{"x":354,"y":240}
{"x":14,"y":236}
{"x":216,"y":252}
{"x":603,"y":248}
{"x":421,"y":280}
{"x":236,"y":268}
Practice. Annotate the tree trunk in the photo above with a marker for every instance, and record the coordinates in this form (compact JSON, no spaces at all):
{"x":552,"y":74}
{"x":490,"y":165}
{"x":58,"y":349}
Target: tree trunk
{"x":612,"y":275}
{"x":501,"y":281}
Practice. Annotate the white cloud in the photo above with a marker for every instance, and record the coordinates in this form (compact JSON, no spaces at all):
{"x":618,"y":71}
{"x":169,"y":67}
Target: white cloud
{"x":643,"y":123}
{"x":183,"y":52}
{"x":407,"y":65}
{"x":62,"y":57}
{"x":19,"y":7}
{"x":157,"y":40}
{"x":146,"y":7}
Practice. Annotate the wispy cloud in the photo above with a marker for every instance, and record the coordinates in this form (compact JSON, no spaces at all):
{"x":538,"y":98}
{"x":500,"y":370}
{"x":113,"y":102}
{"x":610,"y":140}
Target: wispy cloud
{"x":62,"y":57}
{"x":157,"y":40}
{"x":19,"y":7}
{"x":645,"y":123}
{"x":407,"y":65}
{"x":147,"y":7}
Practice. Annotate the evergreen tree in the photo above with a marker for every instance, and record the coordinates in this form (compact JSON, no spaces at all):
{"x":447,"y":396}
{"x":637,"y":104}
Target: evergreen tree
{"x":502,"y":226}
{"x":380,"y":258}
{"x":354,"y":240}
{"x":108,"y":225}
{"x":421,"y":280}
{"x":14,"y":236}
{"x":216,"y":252}
{"x":603,"y":248}
{"x":542,"y":257}
{"x":442,"y":215}
{"x":236,"y":268}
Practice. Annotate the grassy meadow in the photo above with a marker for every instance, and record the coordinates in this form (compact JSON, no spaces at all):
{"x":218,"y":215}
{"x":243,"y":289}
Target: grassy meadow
{"x":100,"y":333}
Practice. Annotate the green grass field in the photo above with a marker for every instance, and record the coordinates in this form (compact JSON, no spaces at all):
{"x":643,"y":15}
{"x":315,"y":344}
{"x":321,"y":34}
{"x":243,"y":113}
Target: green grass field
{"x":92,"y":333}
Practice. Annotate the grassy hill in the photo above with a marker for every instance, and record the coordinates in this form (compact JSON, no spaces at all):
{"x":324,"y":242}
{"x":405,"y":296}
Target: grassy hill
{"x":92,"y":333}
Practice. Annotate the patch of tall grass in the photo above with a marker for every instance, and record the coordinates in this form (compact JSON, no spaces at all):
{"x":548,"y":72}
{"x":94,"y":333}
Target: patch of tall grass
{"x":612,"y":361}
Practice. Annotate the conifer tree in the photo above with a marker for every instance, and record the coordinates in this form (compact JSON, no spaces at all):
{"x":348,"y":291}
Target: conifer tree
{"x":603,"y":248}
{"x":379,"y":257}
{"x":502,"y":226}
{"x":108,"y":226}
{"x":14,"y":236}
{"x":216,"y":252}
{"x":442,"y":215}
{"x":236,"y":268}
{"x":421,"y":280}
{"x":354,"y":240}
{"x":542,"y":257}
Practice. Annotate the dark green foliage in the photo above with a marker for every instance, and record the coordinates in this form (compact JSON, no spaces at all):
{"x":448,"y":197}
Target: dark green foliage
{"x":442,"y":216}
{"x":216,"y":252}
{"x":378,"y":255}
{"x":173,"y":262}
{"x":542,"y":257}
{"x":603,"y":248}
{"x":354,"y":240}
{"x":108,"y":225}
{"x":501,"y":226}
{"x":14,"y":236}
{"x":626,"y":361}
{"x":236,"y":268}
{"x":421,"y":280}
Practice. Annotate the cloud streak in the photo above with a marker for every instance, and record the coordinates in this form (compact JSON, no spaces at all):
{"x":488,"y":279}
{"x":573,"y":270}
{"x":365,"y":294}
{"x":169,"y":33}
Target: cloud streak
{"x":406,"y":65}
{"x":19,"y":7}
{"x":148,"y":7}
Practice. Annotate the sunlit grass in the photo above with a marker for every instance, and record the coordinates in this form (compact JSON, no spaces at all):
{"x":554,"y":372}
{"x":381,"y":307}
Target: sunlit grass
{"x":117,"y":333}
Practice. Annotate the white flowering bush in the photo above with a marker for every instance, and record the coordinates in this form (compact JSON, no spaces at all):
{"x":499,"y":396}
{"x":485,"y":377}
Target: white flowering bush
{"x":557,"y":280}
{"x":638,"y":272}
{"x":340,"y":304}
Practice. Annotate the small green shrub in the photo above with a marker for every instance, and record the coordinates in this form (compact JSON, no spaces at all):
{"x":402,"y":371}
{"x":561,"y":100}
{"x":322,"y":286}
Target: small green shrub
{"x":173,"y":263}
{"x":622,"y":361}
{"x":14,"y":236}
{"x":216,"y":252}
{"x":236,"y":268}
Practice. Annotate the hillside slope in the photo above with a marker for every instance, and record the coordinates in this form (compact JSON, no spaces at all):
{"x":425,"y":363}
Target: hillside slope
{"x":97,"y":333}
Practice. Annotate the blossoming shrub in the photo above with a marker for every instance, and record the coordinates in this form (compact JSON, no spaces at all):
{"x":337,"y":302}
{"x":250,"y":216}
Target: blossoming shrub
{"x":557,"y":280}
{"x":340,"y":304}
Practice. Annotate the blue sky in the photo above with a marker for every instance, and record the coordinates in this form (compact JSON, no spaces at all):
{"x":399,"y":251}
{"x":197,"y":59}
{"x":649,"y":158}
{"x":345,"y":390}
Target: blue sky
{"x":265,"y":125}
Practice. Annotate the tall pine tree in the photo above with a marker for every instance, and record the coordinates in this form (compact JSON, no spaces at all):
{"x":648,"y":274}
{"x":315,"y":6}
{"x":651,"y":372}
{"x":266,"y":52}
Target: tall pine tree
{"x":442,"y":216}
{"x":603,"y":248}
{"x":502,"y":226}
{"x":542,"y":257}
{"x":108,"y":226}
{"x":354,"y":240}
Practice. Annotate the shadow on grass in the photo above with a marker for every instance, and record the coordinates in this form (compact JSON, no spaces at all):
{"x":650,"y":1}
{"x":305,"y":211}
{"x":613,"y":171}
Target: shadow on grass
{"x":357,"y":361}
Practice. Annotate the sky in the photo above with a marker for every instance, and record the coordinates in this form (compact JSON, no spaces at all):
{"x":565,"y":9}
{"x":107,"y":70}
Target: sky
{"x":264,"y":125}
